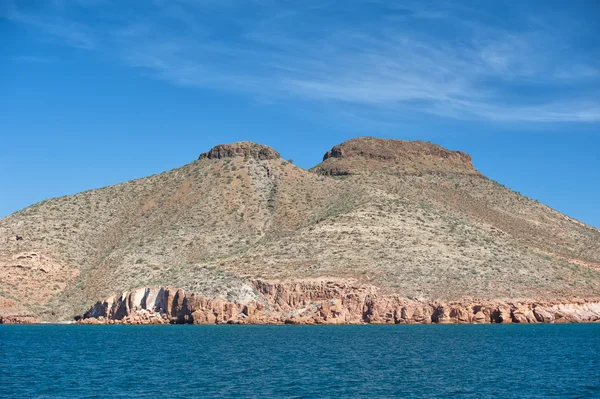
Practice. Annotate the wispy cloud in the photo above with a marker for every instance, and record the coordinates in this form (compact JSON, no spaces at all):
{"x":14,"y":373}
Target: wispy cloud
{"x":27,"y":59}
{"x":410,"y":57}
{"x":70,"y":32}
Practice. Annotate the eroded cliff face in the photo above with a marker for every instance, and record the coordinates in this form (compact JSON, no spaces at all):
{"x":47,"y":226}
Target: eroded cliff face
{"x":325,"y":302}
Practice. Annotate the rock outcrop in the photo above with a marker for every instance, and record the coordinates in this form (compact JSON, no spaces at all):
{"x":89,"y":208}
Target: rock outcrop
{"x":324,"y":302}
{"x":19,"y":319}
{"x":242,"y":149}
{"x":394,"y":156}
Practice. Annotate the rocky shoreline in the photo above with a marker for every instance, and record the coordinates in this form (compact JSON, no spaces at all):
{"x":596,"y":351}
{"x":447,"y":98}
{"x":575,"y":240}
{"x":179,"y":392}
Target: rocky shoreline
{"x":19,"y":319}
{"x":326,"y":302}
{"x":321,"y":302}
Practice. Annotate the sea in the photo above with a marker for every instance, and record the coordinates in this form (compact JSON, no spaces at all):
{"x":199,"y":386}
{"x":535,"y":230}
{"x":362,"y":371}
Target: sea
{"x":356,"y":361}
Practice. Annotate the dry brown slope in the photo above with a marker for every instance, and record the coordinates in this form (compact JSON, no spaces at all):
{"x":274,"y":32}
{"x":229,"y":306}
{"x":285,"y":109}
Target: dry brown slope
{"x":448,"y":180}
{"x":411,"y":218}
{"x":491,"y":240}
{"x":172,"y":229}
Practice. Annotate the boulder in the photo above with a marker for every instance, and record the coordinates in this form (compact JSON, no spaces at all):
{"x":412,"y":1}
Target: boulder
{"x":542,"y":315}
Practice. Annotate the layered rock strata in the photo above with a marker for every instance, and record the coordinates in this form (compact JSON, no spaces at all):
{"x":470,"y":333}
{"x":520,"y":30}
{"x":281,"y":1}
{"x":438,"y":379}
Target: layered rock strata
{"x":325,"y":302}
{"x":241,"y":149}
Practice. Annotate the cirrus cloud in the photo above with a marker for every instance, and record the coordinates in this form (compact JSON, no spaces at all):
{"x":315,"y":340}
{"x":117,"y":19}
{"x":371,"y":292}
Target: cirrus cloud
{"x":450,"y":59}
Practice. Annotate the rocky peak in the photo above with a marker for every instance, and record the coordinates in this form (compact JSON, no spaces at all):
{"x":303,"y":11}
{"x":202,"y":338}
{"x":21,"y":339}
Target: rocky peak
{"x":410,"y":156}
{"x":242,"y":149}
{"x":391,"y":150}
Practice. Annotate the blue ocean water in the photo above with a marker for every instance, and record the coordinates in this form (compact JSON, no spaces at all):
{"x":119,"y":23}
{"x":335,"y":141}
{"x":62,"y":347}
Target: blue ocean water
{"x":366,"y":361}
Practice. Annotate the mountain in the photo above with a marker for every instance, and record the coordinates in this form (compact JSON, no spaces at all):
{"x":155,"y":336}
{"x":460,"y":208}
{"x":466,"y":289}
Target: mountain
{"x":380,"y":222}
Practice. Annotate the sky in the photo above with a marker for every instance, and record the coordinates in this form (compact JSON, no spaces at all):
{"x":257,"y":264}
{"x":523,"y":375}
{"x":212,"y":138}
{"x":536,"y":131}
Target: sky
{"x":96,"y":92}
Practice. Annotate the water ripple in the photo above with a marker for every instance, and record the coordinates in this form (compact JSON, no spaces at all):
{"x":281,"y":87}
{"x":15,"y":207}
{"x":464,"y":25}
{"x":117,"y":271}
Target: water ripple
{"x":535,"y":361}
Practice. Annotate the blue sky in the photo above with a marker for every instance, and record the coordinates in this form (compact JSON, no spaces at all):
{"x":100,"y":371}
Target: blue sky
{"x":95,"y":92}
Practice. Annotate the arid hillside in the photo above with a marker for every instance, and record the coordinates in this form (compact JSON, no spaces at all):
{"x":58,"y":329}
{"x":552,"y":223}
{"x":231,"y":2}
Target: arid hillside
{"x":409,"y":219}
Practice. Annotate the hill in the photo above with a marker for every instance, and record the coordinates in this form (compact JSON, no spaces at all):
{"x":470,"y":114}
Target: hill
{"x":387,"y":222}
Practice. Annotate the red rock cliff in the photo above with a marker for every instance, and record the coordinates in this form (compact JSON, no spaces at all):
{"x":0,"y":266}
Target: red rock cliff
{"x":329,"y":302}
